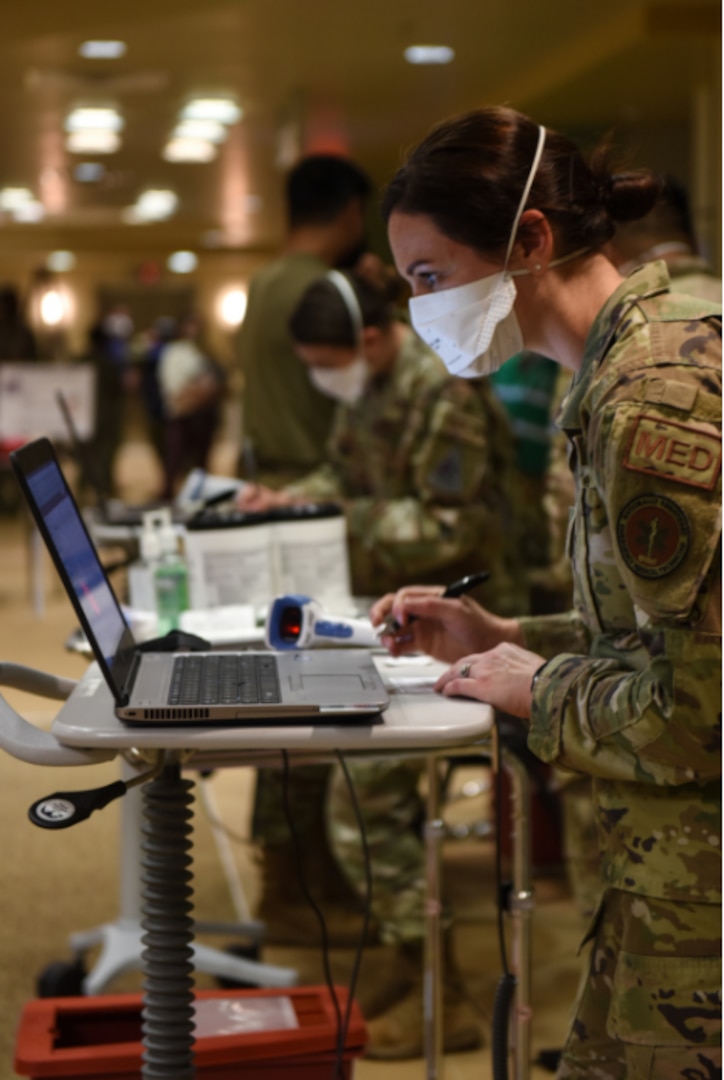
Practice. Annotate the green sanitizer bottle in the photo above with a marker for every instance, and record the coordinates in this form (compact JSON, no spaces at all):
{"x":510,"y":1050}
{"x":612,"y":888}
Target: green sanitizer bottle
{"x":171,"y":580}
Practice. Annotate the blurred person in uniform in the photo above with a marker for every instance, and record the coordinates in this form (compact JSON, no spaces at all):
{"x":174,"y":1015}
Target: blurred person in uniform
{"x":16,"y":338}
{"x":191,"y":386}
{"x":420,"y":462}
{"x":109,"y":353}
{"x":286,"y":420}
{"x":667,"y":233}
{"x":156,"y":339}
{"x":499,"y":225}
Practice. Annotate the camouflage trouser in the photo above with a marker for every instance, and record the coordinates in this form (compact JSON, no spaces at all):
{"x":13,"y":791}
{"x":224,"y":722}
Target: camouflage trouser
{"x":649,"y":1007}
{"x":392,"y":812}
{"x":306,"y":793}
{"x":581,"y":844}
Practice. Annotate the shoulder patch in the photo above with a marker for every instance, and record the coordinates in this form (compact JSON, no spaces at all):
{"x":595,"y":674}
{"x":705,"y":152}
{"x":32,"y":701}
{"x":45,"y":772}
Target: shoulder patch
{"x":447,"y":474}
{"x":679,"y":452}
{"x":653,"y":535}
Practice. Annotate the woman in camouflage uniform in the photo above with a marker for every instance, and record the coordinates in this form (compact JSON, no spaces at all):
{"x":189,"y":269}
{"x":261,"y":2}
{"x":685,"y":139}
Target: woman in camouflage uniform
{"x":498,"y":225}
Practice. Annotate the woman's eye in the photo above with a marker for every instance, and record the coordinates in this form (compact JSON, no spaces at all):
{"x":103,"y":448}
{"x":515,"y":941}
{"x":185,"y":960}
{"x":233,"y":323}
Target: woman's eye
{"x":429,"y":279}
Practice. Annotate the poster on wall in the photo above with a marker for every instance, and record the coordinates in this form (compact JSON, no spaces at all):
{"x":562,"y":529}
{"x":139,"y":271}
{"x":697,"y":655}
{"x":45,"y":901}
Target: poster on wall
{"x":29,"y":404}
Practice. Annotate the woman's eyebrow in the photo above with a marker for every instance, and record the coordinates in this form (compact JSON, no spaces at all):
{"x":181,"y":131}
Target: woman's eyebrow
{"x":415,"y":264}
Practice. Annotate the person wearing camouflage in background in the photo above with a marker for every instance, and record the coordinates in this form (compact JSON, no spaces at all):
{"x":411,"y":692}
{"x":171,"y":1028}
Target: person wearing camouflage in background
{"x":627,"y":687}
{"x":420,"y":462}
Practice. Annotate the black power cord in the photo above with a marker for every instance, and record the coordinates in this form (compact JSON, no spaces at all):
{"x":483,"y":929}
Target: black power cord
{"x":342,"y":1021}
{"x":507,"y":983}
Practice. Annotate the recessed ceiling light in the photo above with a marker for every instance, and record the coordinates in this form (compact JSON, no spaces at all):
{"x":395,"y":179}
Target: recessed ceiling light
{"x":29,"y":212}
{"x":59,"y":261}
{"x":102,"y":50}
{"x":189,"y":150}
{"x":89,"y":172}
{"x":207,"y":130}
{"x":224,"y":110}
{"x":92,"y":119}
{"x":11,"y":198}
{"x":155,"y":204}
{"x":429,"y":54}
{"x":92,"y":142}
{"x":182,"y":262}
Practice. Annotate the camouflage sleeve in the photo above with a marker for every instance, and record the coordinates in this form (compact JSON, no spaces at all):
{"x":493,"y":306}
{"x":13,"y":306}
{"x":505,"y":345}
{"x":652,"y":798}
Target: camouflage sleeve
{"x":550,"y":635}
{"x":322,"y":484}
{"x":450,"y":507}
{"x":645,"y":706}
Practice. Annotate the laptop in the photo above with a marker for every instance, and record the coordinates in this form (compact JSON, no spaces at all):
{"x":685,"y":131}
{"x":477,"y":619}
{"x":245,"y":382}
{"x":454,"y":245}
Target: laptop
{"x":162,"y":688}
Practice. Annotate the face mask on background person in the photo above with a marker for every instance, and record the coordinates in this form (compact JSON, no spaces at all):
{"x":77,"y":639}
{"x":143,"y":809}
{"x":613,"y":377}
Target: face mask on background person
{"x":346,"y":384}
{"x":473,"y":327}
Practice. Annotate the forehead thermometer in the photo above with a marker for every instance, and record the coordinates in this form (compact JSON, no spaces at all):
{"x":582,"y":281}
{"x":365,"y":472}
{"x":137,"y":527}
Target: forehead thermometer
{"x":299,"y":622}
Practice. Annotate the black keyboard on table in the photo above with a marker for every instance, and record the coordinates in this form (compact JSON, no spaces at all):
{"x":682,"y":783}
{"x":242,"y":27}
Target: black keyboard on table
{"x":226,"y":679}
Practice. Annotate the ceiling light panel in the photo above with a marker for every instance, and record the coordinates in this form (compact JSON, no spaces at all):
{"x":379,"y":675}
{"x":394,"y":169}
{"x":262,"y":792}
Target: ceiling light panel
{"x":429,"y":54}
{"x":92,"y":142}
{"x":12,"y":198}
{"x":102,"y":50}
{"x":207,"y":130}
{"x":94,"y":119}
{"x":189,"y":150}
{"x":224,"y":110}
{"x":154,"y":205}
{"x":182,"y":262}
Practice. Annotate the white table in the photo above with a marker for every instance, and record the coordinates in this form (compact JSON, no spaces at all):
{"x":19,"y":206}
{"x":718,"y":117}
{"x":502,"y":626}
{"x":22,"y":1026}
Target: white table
{"x":417,"y":722}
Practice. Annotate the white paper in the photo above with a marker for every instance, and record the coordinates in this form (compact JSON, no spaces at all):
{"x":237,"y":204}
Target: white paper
{"x":243,"y":1016}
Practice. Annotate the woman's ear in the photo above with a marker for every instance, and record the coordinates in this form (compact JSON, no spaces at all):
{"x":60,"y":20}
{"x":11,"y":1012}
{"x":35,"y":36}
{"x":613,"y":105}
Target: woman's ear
{"x":534,"y":245}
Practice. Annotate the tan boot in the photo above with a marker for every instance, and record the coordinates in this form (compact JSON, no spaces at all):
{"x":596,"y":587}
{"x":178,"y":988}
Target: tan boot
{"x":399,"y":1032}
{"x":288,"y":917}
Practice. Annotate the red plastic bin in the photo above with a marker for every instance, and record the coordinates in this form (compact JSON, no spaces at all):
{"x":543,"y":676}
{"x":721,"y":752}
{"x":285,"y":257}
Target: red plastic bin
{"x":100,"y":1037}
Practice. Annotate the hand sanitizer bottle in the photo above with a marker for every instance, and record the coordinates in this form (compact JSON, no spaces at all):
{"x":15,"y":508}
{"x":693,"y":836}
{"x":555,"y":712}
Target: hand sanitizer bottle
{"x":141,"y":574}
{"x":170,"y":579}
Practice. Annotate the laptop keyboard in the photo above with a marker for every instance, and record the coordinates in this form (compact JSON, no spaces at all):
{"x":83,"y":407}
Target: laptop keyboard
{"x":224,"y":679}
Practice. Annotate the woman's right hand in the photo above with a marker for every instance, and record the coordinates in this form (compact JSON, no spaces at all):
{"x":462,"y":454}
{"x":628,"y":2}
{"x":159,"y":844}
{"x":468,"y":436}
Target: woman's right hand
{"x":257,"y":498}
{"x":446,"y":629}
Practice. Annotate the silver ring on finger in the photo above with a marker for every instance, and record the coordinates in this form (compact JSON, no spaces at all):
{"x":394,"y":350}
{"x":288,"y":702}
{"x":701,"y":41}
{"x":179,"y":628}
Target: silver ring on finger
{"x":464,"y":670}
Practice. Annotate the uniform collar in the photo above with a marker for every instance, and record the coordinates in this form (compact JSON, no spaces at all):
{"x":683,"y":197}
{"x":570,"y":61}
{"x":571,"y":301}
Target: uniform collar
{"x":649,"y":280}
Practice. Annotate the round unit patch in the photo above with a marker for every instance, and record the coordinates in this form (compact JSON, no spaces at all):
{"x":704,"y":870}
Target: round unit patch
{"x":653,"y":535}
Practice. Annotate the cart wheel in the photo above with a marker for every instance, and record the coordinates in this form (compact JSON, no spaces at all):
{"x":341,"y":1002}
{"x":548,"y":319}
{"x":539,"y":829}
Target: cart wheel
{"x":249,"y":951}
{"x":61,"y":979}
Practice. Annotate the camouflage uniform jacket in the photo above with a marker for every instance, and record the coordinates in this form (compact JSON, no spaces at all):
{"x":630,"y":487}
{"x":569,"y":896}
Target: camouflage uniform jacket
{"x":419,"y":464}
{"x":632,"y":695}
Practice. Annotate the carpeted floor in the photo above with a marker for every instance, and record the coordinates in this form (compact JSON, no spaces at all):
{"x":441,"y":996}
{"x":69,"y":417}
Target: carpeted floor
{"x":57,"y":883}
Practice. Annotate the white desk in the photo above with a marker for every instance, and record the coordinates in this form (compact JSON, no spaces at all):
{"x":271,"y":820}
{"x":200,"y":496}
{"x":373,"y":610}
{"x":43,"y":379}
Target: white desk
{"x":415,"y":723}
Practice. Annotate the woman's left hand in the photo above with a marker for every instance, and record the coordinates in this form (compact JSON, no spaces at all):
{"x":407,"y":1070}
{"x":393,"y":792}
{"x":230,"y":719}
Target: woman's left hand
{"x":499,"y":677}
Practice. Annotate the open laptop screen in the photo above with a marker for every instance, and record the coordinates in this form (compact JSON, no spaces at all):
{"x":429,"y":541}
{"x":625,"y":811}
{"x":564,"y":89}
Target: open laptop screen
{"x":58,"y":517}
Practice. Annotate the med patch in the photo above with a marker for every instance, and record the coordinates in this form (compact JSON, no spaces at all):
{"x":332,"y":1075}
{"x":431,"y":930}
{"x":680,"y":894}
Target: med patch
{"x":679,"y":452}
{"x":653,"y":535}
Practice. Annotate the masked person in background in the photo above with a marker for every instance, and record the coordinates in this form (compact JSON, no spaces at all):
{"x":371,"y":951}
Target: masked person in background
{"x":419,"y":461}
{"x":498,"y":224}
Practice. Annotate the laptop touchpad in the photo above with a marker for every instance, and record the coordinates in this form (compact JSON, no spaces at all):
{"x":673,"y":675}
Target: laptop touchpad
{"x":331,"y":684}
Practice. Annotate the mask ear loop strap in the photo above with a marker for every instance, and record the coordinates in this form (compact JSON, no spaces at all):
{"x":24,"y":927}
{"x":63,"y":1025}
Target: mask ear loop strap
{"x":351,"y":302}
{"x":526,"y":192}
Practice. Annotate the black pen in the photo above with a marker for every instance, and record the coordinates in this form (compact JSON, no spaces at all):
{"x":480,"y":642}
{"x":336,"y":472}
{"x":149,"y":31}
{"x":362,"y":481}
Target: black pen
{"x":457,"y":588}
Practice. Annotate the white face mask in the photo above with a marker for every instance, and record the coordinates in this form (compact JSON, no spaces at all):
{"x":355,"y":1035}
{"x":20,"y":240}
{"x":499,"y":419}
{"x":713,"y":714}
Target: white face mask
{"x":473,"y":328}
{"x":346,"y":384}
